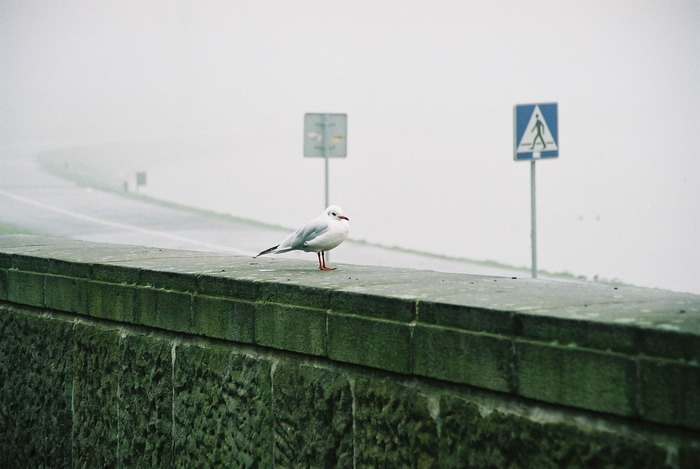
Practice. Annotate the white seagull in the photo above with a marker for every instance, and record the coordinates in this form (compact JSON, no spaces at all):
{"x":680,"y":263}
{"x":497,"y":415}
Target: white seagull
{"x":319,"y":235}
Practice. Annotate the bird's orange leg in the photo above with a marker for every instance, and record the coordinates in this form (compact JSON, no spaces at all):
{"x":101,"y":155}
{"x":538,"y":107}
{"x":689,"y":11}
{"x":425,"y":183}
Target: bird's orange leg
{"x":322,"y":261}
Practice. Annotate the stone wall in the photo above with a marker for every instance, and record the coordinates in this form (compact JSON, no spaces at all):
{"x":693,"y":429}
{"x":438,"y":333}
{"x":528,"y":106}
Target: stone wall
{"x":141,"y":357}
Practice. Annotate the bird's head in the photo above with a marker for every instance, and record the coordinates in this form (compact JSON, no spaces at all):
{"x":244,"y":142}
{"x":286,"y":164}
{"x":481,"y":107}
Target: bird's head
{"x":335,"y":213}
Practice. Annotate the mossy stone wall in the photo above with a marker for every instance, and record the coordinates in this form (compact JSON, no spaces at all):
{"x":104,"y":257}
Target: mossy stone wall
{"x":122,"y":356}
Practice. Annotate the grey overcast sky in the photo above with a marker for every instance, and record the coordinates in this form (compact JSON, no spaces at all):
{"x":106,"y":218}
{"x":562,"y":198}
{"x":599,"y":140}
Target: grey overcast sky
{"x":429,"y":89}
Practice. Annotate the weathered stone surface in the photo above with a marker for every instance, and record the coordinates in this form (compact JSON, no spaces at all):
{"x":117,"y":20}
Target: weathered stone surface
{"x":373,"y":367}
{"x":223,"y":318}
{"x":312,"y":417}
{"x":364,"y":341}
{"x":112,"y":301}
{"x":670,"y":392}
{"x":291,"y":328}
{"x":363,"y":301}
{"x":25,"y":288}
{"x":164,"y":309}
{"x":393,"y":426}
{"x":481,"y":360}
{"x":66,"y":294}
{"x":36,"y":377}
{"x":219,"y":285}
{"x":3,"y":284}
{"x":475,"y":437}
{"x":581,"y":378}
{"x":95,"y":396}
{"x":145,"y":402}
{"x":222,"y":408}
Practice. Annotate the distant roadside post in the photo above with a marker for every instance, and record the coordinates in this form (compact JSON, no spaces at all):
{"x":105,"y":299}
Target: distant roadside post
{"x":140,"y":180}
{"x":325,"y":135}
{"x":536,"y":132}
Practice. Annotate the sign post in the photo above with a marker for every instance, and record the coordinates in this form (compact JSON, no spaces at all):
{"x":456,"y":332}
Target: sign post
{"x":536,"y":130}
{"x":325,"y":135}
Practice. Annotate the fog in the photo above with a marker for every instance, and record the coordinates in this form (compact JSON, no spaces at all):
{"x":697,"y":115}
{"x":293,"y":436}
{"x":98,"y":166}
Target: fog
{"x":429,"y":89}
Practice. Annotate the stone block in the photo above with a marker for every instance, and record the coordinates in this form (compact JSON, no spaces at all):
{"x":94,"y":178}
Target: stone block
{"x":164,"y":309}
{"x":5,"y":260}
{"x":578,"y":332}
{"x":68,"y":268}
{"x":163,"y":279}
{"x":672,"y":344}
{"x":112,"y":301}
{"x":36,"y":377}
{"x":222,"y":409}
{"x":3,"y":284}
{"x":226,"y":319}
{"x":361,"y":303}
{"x":583,"y":378}
{"x":312,"y":421}
{"x":95,"y":396}
{"x":463,"y":357}
{"x":670,"y":392}
{"x":297,"y":295}
{"x":68,"y":294}
{"x":26,"y":288}
{"x":214,"y":285}
{"x":375,"y":343}
{"x":145,"y":417}
{"x":30,"y":263}
{"x":466,"y":318}
{"x":472,"y":436}
{"x":115,"y":274}
{"x":394,"y":426}
{"x":291,"y":328}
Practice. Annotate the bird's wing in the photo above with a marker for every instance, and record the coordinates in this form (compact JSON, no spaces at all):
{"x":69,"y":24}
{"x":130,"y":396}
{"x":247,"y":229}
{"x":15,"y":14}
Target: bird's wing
{"x":301,"y":238}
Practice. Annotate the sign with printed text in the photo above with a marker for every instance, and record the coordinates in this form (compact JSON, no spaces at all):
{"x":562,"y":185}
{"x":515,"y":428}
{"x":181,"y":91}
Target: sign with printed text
{"x":536,"y":128}
{"x":325,"y":135}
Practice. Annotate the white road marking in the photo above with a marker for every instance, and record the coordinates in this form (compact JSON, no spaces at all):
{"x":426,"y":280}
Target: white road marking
{"x":122,"y":226}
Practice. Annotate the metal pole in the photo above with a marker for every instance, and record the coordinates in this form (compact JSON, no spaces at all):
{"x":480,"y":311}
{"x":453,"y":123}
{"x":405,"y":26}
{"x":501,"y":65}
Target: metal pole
{"x":533,"y":219}
{"x":326,"y":163}
{"x":326,"y":143}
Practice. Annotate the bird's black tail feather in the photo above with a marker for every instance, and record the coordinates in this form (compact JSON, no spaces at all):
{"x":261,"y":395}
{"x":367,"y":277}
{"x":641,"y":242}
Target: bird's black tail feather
{"x":266,"y":251}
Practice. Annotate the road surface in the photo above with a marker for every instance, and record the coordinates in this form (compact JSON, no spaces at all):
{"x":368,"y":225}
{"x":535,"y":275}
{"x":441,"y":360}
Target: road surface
{"x":34,"y":201}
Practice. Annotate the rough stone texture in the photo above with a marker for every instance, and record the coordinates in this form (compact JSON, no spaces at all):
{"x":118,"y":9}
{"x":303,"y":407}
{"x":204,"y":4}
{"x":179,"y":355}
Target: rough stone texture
{"x":145,"y":402}
{"x":164,"y":309}
{"x":25,"y":288}
{"x":393,"y":426}
{"x":312,"y":417}
{"x":472,"y":358}
{"x":66,"y":294}
{"x":475,"y":437}
{"x":577,"y":377}
{"x":112,"y":301}
{"x":222,"y":409}
{"x":363,"y":341}
{"x":226,"y":319}
{"x":291,"y":328}
{"x":220,"y":360}
{"x":36,"y":374}
{"x":95,"y":396}
{"x":671,"y":392}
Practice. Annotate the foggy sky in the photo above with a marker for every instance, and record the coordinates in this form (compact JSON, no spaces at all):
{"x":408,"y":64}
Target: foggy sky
{"x":429,"y":89}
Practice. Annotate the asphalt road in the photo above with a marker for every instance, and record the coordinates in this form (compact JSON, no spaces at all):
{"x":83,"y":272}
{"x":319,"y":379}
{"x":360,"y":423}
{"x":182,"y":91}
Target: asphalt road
{"x":34,"y":201}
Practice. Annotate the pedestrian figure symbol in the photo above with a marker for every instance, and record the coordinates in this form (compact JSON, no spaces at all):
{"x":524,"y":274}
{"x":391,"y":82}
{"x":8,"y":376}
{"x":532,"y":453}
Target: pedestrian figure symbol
{"x":536,"y":131}
{"x":539,"y":127}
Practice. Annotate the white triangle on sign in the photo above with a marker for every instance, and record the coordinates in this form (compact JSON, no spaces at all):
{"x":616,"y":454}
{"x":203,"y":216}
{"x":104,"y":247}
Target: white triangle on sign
{"x":537,"y":137}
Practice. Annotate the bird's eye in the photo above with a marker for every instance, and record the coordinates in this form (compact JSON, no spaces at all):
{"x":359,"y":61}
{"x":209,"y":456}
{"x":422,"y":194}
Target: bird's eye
{"x":333,"y":213}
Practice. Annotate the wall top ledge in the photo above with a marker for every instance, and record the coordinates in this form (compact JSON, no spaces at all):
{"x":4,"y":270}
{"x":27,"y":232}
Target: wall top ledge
{"x":617,"y":318}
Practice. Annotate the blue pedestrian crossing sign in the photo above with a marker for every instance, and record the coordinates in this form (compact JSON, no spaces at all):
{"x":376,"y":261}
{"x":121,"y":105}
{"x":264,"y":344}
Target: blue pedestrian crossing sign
{"x":536,"y":129}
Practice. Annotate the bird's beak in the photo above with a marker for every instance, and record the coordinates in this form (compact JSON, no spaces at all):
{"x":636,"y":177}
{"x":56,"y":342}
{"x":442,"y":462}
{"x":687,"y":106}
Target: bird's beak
{"x":344,"y":217}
